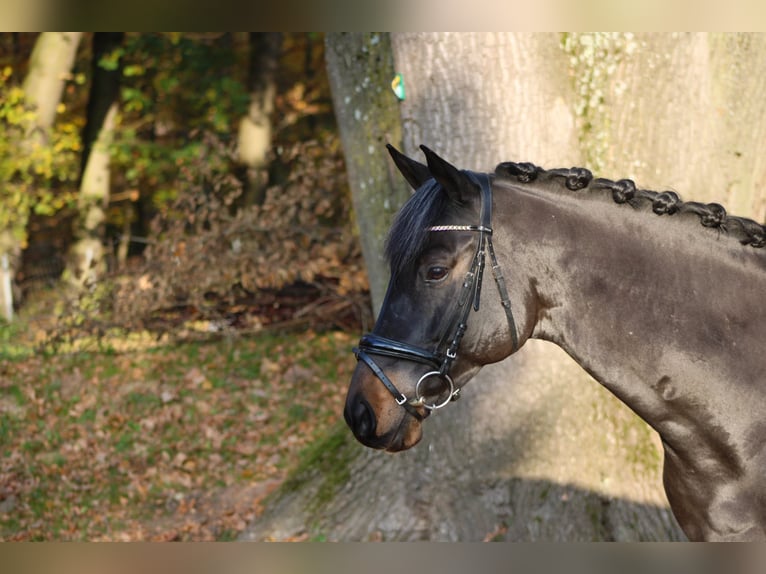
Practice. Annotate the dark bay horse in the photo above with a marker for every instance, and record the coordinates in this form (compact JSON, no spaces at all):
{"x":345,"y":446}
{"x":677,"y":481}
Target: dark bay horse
{"x":661,"y":301}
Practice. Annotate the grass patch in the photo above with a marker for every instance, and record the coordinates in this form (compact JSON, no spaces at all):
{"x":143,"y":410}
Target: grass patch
{"x":325,"y":458}
{"x":12,"y":344}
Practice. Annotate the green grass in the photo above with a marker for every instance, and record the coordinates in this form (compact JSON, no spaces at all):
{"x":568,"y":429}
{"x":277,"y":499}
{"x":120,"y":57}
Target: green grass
{"x":12,"y":344}
{"x":326,"y":457}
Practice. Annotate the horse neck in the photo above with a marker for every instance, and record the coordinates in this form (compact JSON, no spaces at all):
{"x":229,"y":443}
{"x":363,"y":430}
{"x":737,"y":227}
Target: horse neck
{"x":634,"y":298}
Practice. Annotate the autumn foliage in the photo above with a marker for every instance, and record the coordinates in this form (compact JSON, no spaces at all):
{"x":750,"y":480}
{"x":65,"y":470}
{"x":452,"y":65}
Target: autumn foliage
{"x":189,"y":235}
{"x":208,"y":254}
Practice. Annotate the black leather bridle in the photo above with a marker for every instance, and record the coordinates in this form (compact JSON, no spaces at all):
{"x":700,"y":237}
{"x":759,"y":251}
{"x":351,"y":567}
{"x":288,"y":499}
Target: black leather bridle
{"x":440,"y":359}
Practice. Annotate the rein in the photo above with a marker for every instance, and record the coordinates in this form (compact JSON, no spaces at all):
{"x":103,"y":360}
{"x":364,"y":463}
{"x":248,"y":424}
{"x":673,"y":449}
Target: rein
{"x":440,"y":360}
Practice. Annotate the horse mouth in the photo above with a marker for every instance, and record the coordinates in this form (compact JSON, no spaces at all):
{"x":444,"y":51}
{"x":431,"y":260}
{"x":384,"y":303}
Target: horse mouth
{"x":406,"y":435}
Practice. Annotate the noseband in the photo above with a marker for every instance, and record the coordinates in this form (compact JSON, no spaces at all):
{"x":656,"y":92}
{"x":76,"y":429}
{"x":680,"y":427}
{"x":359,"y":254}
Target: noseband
{"x":440,"y":360}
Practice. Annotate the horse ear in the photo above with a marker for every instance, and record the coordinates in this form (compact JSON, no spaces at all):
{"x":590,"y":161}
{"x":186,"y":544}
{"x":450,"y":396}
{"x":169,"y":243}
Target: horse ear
{"x":457,"y":185}
{"x":413,"y":171}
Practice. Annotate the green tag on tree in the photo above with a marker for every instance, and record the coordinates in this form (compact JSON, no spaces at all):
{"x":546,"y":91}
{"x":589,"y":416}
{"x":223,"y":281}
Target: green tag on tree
{"x":397,"y":84}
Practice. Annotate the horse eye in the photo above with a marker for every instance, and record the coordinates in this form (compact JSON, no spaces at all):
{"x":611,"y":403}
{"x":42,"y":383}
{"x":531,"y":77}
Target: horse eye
{"x":436,"y":273}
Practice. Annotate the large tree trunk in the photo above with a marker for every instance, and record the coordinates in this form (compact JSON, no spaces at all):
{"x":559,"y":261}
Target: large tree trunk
{"x":677,"y":111}
{"x":85,"y":261}
{"x":50,"y":63}
{"x":537,"y":450}
{"x":360,"y":69}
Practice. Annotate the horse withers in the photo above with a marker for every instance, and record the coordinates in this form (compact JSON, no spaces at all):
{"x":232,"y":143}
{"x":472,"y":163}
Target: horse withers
{"x":658,"y":299}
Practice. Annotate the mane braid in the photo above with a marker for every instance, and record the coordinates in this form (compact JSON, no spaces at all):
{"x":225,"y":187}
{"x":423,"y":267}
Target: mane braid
{"x":576,"y":179}
{"x":409,"y":231}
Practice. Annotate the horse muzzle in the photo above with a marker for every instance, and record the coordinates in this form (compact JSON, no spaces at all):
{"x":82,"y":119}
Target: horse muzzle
{"x":376,"y":420}
{"x":402,"y":434}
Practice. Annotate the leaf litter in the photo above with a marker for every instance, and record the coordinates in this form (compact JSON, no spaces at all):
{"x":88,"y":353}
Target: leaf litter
{"x":176,"y":443}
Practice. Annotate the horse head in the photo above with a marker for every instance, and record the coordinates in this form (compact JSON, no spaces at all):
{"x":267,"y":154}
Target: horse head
{"x":435,"y":329}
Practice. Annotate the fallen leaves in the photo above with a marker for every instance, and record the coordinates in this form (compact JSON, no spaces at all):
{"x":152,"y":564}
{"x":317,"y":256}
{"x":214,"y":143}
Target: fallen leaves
{"x":178,"y":443}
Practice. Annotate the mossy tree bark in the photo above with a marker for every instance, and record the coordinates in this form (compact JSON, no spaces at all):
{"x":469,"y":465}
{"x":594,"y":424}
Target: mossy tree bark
{"x":537,"y":450}
{"x":360,"y":69}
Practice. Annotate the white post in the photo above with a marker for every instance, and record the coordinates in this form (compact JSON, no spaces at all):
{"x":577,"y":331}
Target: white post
{"x":5,"y":285}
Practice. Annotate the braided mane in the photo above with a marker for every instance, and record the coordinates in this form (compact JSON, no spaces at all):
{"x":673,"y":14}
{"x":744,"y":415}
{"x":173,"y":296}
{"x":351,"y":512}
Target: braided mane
{"x":408,"y":234}
{"x":746,"y":231}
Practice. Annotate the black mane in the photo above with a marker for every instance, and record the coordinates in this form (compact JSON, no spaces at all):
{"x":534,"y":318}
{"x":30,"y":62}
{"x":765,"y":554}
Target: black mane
{"x":746,"y":231}
{"x":409,"y":231}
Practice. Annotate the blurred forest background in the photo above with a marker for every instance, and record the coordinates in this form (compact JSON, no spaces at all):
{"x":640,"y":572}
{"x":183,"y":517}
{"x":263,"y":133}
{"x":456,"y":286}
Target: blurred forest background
{"x":161,"y":195}
{"x":221,"y":197}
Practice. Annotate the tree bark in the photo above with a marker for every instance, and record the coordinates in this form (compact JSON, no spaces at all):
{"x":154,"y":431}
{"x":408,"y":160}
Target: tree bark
{"x":537,"y":450}
{"x":85,"y":261}
{"x":676,"y":111}
{"x":360,"y":69}
{"x":50,"y":63}
{"x":104,"y":89}
{"x":255,"y":129}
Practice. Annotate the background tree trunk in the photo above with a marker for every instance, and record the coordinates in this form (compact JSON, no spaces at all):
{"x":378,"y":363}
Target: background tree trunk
{"x":85,"y":261}
{"x":360,"y":69}
{"x":104,"y":88}
{"x":50,"y":63}
{"x":49,"y":66}
{"x":537,"y":450}
{"x":255,"y":129}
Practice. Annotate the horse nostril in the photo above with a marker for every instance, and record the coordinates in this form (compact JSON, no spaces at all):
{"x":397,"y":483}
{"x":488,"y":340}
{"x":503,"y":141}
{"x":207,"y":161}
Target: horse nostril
{"x":360,"y":419}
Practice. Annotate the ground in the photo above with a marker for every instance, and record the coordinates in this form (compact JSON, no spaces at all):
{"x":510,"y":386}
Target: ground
{"x":172,"y":442}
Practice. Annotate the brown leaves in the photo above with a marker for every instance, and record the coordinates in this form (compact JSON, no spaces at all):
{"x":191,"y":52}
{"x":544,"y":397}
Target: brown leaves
{"x":180,"y":443}
{"x":206,"y":256}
